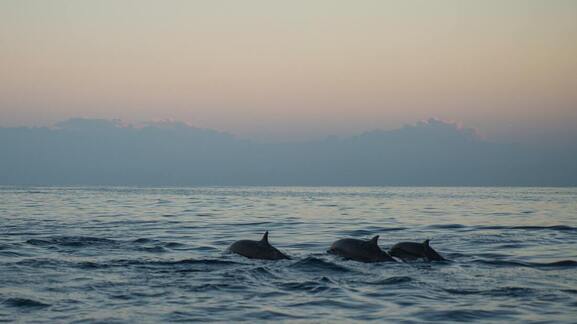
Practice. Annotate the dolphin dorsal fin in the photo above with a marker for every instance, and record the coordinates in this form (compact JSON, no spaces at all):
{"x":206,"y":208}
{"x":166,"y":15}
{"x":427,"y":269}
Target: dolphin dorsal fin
{"x":374,"y":240}
{"x":264,"y":238}
{"x":426,"y":243}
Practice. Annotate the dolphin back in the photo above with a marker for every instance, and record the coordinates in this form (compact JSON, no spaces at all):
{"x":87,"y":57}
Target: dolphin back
{"x":359,"y":250}
{"x":414,"y":251}
{"x":257,"y":249}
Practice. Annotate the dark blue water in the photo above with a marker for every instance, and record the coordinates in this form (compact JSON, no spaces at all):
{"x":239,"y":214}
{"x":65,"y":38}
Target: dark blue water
{"x":158,"y":255}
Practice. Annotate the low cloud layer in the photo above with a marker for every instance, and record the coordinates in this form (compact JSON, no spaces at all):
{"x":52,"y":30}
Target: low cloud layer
{"x":109,"y":152}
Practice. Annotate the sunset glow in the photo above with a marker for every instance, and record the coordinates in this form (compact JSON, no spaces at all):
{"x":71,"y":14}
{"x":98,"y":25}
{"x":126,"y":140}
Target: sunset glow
{"x":292,"y":69}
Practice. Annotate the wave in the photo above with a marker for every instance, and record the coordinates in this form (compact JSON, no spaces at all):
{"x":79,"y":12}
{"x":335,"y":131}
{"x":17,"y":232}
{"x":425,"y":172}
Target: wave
{"x":316,"y":264}
{"x":391,"y":281}
{"x":20,"y":234}
{"x":506,"y":263}
{"x":46,"y":263}
{"x":78,"y":242}
{"x":6,"y":253}
{"x":23,"y":303}
{"x":269,"y":315}
{"x":501,"y":227}
{"x":447,"y":226}
{"x":171,"y":263}
{"x":55,"y":263}
{"x":210,"y":287}
{"x":37,"y":192}
{"x":153,"y":249}
{"x":144,"y":240}
{"x":498,"y":292}
{"x":5,"y":246}
{"x":562,"y":263}
{"x":463,"y":315}
{"x":261,"y":273}
{"x":326,"y":302}
{"x":370,"y":231}
{"x":72,"y":241}
{"x":311,"y":286}
{"x":528,"y":228}
{"x":308,"y":264}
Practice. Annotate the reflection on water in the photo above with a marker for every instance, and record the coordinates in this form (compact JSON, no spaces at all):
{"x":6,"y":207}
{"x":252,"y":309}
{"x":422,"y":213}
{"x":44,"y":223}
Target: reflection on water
{"x":133,"y":254}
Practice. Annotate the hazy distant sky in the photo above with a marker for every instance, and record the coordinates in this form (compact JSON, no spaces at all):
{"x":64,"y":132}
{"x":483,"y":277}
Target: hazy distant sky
{"x":293,"y":69}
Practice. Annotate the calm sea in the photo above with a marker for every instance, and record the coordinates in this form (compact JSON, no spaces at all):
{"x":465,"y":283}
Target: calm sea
{"x":159,"y":254}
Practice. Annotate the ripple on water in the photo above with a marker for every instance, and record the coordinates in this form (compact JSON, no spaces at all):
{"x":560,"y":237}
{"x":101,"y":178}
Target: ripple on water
{"x":72,"y":241}
{"x":396,"y":280}
{"x":529,"y":228}
{"x":310,"y":286}
{"x":562,"y":264}
{"x":369,"y":231}
{"x":313,"y":264}
{"x":464,"y":315}
{"x":447,"y":226}
{"x":498,"y":292}
{"x":24,"y":303}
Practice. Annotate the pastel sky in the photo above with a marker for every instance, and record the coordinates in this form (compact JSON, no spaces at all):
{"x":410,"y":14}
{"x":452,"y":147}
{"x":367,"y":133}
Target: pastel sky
{"x":294,"y":69}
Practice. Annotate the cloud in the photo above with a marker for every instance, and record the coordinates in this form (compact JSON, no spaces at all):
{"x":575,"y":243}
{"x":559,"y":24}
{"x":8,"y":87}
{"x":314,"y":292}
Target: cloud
{"x":84,"y":151}
{"x":88,"y":124}
{"x":426,"y":131}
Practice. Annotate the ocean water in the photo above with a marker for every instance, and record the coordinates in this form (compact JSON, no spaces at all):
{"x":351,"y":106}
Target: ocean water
{"x":147,"y":255}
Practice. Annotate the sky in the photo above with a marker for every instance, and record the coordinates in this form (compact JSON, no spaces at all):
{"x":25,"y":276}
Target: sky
{"x":294,"y":70}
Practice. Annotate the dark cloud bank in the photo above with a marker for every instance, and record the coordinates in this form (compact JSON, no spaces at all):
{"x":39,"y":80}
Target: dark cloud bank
{"x":104,"y":152}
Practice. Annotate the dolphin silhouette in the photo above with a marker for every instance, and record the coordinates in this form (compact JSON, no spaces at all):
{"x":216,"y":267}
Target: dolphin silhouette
{"x":414,"y":250}
{"x":257,"y":249}
{"x":360,"y":250}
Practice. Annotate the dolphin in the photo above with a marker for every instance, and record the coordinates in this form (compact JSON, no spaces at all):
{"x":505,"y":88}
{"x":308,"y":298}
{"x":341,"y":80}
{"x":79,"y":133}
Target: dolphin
{"x":414,"y":250}
{"x":257,"y":249}
{"x":360,"y":250}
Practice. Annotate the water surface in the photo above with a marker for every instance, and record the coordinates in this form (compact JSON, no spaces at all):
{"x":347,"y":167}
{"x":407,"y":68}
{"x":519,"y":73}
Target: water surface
{"x":159,"y":254}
